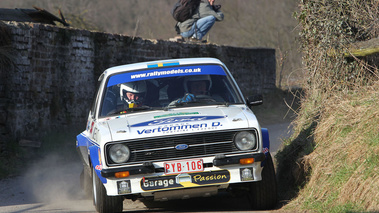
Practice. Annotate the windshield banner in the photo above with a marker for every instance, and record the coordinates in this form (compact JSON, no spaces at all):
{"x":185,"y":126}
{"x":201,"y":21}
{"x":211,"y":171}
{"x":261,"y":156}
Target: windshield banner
{"x":166,"y":72}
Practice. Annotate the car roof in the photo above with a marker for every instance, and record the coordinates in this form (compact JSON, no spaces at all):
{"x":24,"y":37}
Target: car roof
{"x":160,"y":63}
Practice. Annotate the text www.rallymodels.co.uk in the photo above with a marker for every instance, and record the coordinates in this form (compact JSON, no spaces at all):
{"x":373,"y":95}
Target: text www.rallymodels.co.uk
{"x":166,"y":72}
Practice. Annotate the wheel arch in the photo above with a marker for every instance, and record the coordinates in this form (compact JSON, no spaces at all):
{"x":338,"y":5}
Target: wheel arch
{"x":95,"y":161}
{"x":265,"y":144}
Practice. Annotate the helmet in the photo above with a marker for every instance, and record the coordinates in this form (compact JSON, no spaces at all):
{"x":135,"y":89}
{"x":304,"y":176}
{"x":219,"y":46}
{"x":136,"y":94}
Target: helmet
{"x":195,"y":78}
{"x":136,"y":87}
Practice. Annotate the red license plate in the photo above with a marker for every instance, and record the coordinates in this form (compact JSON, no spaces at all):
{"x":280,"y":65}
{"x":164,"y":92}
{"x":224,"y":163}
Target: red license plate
{"x":183,"y":166}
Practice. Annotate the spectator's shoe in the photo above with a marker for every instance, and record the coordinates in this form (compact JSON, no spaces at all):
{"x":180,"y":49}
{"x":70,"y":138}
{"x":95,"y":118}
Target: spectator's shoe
{"x":195,"y":40}
{"x":178,"y":38}
{"x":216,"y":7}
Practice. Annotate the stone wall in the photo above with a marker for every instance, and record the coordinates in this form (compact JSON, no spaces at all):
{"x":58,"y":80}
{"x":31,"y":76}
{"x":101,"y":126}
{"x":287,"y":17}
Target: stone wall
{"x":49,"y":81}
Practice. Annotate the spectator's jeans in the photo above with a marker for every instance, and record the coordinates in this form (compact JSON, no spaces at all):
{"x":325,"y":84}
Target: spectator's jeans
{"x":201,"y":27}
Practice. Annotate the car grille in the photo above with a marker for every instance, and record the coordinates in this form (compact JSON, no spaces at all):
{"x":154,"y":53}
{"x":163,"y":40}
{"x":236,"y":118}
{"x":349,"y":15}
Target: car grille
{"x":163,"y":148}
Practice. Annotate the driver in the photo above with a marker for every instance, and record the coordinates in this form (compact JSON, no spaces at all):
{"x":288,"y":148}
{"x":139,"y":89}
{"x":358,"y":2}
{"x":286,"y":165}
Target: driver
{"x":196,"y":87}
{"x":133,"y":93}
{"x":199,"y":85}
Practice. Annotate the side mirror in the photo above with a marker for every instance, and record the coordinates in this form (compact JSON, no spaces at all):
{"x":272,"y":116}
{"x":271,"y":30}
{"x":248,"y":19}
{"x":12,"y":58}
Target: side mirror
{"x":254,"y":100}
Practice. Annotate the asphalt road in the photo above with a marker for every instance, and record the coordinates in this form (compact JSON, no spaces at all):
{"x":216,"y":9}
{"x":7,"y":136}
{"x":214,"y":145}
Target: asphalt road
{"x":53,"y":186}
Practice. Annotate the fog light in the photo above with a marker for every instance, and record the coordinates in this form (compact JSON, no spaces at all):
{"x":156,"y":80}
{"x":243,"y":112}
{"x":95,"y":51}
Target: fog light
{"x":122,"y":174}
{"x":246,"y":161}
{"x":246,"y":174}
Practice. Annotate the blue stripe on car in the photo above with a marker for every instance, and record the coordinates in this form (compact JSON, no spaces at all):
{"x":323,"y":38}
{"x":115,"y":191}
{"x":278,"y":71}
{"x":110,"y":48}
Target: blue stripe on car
{"x":266,"y":144}
{"x":166,"y":72}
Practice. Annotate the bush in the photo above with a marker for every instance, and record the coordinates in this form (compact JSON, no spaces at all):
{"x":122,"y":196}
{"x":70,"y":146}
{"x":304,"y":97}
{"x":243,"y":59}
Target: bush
{"x":336,"y":131}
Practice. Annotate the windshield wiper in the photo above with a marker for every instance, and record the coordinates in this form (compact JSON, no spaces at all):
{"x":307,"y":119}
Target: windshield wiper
{"x":177,"y":103}
{"x":223,"y":103}
{"x":193,"y":103}
{"x":123,"y":111}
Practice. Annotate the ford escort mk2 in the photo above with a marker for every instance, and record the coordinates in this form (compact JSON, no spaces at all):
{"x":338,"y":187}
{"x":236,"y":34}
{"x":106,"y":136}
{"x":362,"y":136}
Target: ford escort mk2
{"x":174,"y":129}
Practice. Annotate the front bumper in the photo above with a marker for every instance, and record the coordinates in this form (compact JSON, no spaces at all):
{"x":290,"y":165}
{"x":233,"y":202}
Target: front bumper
{"x":147,"y":167}
{"x":148,"y":178}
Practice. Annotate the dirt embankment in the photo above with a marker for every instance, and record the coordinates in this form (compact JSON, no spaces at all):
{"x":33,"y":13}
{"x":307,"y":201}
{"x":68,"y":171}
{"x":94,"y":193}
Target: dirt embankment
{"x":333,"y":153}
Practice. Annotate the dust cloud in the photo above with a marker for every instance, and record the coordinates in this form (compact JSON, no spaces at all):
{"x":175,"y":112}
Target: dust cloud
{"x":54,"y":179}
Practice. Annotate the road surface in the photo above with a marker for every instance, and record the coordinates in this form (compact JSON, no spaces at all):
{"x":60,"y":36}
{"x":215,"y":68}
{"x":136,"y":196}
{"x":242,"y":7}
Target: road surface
{"x":53,"y":186}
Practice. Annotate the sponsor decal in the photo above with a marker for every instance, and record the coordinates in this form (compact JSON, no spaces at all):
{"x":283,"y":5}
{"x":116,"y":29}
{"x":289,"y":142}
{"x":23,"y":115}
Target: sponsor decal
{"x":99,"y":167}
{"x":124,"y":187}
{"x":161,"y":64}
{"x":184,"y":180}
{"x":180,"y":128}
{"x":88,"y":126}
{"x":265,"y":150}
{"x":179,"y":124}
{"x":176,"y":114}
{"x":90,"y":131}
{"x":173,"y":120}
{"x":164,"y":72}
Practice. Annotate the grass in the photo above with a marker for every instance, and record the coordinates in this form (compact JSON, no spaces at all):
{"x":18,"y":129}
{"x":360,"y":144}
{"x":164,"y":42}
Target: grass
{"x":324,"y":206}
{"x":343,"y":167}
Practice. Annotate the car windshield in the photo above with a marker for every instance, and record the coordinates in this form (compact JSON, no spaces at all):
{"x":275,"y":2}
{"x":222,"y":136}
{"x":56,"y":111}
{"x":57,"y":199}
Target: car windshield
{"x":164,"y":88}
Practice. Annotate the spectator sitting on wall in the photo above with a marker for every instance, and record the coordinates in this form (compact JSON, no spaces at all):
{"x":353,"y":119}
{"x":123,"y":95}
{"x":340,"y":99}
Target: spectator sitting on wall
{"x":201,"y":22}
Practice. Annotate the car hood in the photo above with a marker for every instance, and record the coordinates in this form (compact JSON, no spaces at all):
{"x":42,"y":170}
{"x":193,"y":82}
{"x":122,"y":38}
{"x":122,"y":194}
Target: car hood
{"x":180,"y":121}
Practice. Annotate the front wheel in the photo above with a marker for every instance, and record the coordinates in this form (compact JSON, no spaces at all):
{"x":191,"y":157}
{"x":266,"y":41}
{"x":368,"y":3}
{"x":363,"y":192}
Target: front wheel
{"x":263,"y":194}
{"x":104,"y":203}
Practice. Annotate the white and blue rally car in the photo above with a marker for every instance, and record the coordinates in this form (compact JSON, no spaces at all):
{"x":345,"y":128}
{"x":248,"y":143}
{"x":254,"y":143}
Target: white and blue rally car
{"x":174,"y":129}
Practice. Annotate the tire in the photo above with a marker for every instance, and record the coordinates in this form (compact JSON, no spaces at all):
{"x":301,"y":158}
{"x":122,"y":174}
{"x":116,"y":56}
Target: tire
{"x":86,"y":183}
{"x":263,"y":194}
{"x":104,"y":203}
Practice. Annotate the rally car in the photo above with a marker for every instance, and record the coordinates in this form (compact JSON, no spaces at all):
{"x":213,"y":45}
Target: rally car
{"x":174,"y":129}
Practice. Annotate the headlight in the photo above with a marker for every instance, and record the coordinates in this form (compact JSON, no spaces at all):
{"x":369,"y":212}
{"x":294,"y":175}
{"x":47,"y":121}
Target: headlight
{"x":245,"y":140}
{"x":119,"y":153}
